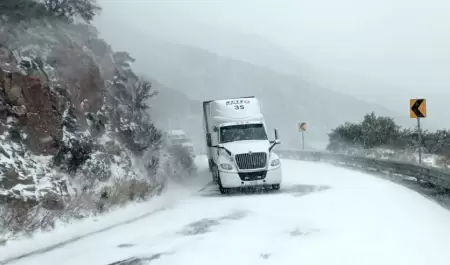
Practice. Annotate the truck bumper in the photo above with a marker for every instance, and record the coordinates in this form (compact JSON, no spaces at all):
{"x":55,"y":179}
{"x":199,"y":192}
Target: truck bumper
{"x":234,"y":180}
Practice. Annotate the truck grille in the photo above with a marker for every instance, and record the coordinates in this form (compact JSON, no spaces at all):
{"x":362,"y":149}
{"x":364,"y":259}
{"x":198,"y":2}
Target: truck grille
{"x":251,"y":161}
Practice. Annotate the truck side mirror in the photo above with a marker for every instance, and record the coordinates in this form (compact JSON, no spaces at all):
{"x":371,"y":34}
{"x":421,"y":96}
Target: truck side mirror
{"x":276,"y":141}
{"x":208,"y":140}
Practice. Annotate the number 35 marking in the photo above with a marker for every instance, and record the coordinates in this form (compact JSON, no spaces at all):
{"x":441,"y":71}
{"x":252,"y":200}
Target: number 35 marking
{"x":238,"y":107}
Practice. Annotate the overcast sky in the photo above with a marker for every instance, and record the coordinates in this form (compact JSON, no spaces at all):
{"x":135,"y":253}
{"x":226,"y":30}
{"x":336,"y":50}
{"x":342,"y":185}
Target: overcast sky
{"x":404,"y":44}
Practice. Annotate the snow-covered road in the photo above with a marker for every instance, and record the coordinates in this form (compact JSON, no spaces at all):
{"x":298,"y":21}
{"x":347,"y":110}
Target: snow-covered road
{"x":322,"y":215}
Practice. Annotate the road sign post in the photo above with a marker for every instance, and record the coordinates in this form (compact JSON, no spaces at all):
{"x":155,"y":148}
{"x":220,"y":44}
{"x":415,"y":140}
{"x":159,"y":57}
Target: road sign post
{"x":418,"y":110}
{"x":302,"y":128}
{"x":303,"y":141}
{"x":419,"y":136}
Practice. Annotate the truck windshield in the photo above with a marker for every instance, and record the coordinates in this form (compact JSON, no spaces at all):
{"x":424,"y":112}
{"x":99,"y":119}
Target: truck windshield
{"x":180,"y":141}
{"x":242,"y":132}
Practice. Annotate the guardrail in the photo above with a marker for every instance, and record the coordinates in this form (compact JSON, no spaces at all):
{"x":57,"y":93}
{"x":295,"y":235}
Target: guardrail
{"x":436,"y":176}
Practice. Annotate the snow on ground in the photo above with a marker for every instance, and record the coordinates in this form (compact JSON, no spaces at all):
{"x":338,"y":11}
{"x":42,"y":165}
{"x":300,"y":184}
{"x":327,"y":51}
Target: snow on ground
{"x":431,"y":160}
{"x":322,"y":215}
{"x":66,"y":232}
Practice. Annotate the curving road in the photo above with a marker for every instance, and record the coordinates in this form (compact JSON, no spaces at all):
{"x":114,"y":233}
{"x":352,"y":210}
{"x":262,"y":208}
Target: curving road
{"x":322,"y":215}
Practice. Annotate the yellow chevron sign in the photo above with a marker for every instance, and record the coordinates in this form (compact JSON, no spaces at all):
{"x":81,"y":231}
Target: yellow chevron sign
{"x":302,"y":126}
{"x":417,"y":108}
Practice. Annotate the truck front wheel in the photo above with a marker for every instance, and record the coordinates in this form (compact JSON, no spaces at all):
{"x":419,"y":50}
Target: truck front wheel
{"x":222,"y":189}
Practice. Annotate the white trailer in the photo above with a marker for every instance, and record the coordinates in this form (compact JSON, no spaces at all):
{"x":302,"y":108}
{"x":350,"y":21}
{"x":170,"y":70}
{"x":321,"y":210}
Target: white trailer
{"x":238,"y":149}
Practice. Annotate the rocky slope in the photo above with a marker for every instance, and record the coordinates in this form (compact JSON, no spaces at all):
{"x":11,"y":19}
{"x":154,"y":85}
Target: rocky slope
{"x":75,"y":133}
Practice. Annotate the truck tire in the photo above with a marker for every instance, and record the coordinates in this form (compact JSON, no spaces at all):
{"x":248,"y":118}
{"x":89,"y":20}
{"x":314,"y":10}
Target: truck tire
{"x":276,"y":187}
{"x":222,"y":189}
{"x":215,"y":174}
{"x":216,"y":180}
{"x":210,"y":165}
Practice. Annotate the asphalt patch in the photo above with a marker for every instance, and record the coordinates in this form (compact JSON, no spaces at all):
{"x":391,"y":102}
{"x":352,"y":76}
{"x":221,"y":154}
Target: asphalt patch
{"x":236,"y":215}
{"x":298,"y":232}
{"x":140,"y":261}
{"x":125,"y":245}
{"x":302,"y":190}
{"x":199,"y":227}
{"x":203,"y":226}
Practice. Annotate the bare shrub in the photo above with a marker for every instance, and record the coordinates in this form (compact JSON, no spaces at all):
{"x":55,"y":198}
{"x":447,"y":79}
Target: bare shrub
{"x":80,"y":206}
{"x":123,"y":191}
{"x":443,"y":161}
{"x":21,"y":216}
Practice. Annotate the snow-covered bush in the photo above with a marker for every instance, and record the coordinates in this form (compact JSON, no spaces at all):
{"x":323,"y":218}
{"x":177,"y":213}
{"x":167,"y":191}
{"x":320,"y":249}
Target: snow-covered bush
{"x":20,"y":10}
{"x":380,"y":137}
{"x":182,"y":156}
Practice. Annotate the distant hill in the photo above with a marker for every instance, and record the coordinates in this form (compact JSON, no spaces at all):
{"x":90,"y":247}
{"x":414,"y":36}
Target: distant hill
{"x":202,"y":75}
{"x":164,"y":25}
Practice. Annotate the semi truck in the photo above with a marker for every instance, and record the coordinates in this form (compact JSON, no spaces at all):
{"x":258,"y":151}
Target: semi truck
{"x":180,"y":138}
{"x":238,"y":149}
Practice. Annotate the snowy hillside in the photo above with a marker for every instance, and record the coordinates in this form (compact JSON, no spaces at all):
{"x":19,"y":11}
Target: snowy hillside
{"x":76,"y":137}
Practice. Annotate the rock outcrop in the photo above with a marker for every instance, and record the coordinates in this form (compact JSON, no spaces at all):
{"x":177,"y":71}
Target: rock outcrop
{"x":68,"y":128}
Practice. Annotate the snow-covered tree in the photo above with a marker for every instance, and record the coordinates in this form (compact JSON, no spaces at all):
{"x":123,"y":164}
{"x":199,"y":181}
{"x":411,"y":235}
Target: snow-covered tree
{"x":69,"y":9}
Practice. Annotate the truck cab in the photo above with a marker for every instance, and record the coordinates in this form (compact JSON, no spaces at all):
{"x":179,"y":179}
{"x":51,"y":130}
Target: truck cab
{"x":239,"y":151}
{"x":179,"y":138}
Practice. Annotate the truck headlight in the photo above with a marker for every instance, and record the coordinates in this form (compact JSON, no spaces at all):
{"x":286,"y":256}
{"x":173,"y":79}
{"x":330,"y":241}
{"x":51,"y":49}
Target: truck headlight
{"x":226,"y":166}
{"x":275,"y":162}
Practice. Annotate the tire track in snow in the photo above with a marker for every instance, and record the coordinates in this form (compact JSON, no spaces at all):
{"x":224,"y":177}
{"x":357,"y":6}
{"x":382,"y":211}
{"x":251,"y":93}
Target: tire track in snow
{"x":182,"y":238}
{"x":77,"y":238}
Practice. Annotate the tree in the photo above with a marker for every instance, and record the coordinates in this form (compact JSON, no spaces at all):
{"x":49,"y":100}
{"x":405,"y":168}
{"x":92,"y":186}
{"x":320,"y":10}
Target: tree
{"x":345,"y":136}
{"x":129,"y":98}
{"x":123,"y":59}
{"x":144,"y":134}
{"x":377,"y":131}
{"x":372,"y":132}
{"x":69,"y":9}
{"x":21,"y":10}
{"x":141,"y":92}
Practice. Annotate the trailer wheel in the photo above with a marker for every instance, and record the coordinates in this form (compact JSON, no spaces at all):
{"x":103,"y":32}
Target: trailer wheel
{"x":276,"y":186}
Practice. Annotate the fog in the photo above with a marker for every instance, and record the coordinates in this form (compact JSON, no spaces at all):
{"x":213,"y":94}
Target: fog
{"x":400,"y":42}
{"x":384,"y":51}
